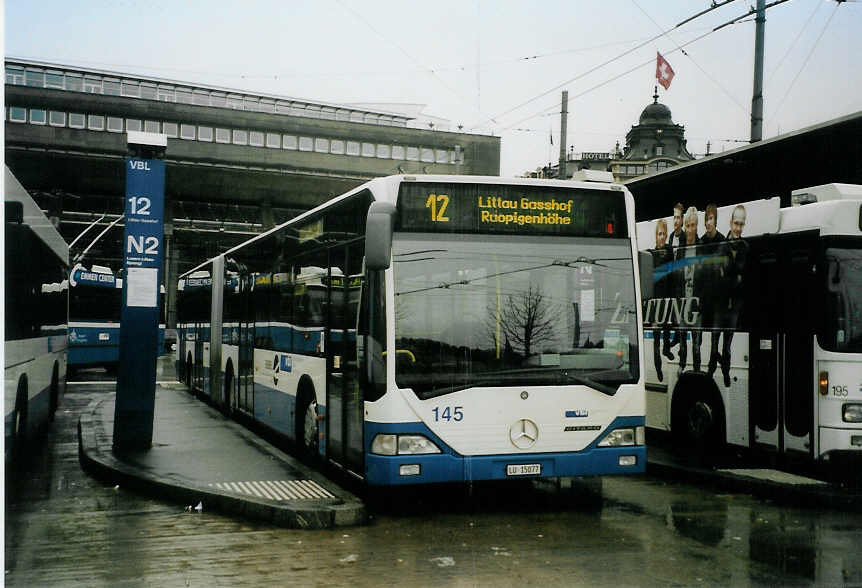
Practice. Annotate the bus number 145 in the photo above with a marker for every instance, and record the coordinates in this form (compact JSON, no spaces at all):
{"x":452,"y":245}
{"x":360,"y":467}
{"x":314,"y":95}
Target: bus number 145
{"x":448,"y":413}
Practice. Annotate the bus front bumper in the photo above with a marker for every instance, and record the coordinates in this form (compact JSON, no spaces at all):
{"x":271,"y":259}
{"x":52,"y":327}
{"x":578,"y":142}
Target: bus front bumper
{"x":384,"y":470}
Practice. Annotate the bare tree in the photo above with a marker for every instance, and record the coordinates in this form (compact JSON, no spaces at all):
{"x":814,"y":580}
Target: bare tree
{"x":526,"y":320}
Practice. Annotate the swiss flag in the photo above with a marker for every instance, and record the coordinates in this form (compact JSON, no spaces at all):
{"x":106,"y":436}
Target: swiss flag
{"x":663,"y":71}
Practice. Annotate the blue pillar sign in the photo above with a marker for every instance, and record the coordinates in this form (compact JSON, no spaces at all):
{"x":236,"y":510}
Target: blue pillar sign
{"x":143,"y":244}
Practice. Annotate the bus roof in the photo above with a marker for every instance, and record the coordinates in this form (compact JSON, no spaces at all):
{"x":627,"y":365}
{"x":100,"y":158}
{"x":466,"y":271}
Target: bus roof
{"x":395,"y":180}
{"x":33,"y":215}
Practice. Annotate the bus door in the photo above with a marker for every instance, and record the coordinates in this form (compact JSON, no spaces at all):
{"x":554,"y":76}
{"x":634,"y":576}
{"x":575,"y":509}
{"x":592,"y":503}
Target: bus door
{"x":782,"y":382}
{"x":245,"y":353}
{"x":344,"y":404}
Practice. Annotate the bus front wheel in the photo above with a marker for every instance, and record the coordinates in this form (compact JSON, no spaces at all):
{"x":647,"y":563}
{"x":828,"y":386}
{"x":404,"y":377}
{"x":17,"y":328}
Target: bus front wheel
{"x":698,"y":422}
{"x":307,"y":425}
{"x":19,"y":419}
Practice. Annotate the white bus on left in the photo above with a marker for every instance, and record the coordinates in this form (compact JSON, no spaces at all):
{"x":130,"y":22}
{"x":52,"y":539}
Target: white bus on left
{"x":36,"y":292}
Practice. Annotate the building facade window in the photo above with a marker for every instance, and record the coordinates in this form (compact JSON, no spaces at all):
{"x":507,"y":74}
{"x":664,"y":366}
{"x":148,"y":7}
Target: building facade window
{"x":184,"y":96}
{"x":201,"y":98}
{"x":205,"y":134}
{"x":35,"y":79}
{"x":288,"y":141}
{"x":115,"y":124}
{"x":222,"y":135}
{"x":133,"y":124}
{"x":14,"y":76}
{"x":427,"y":155}
{"x":55,"y":80}
{"x":167,"y":94}
{"x":336,"y":146}
{"x":74,"y":82}
{"x":17,"y":114}
{"x":368,"y":150}
{"x":57,"y":119}
{"x":151,"y":126}
{"x":441,"y":156}
{"x":92,"y":85}
{"x":398,"y":152}
{"x":353,"y":147}
{"x":273,"y":140}
{"x":170,"y":129}
{"x":95,"y":122}
{"x":131,"y":89}
{"x":148,"y":91}
{"x":413,"y":154}
{"x":384,"y":151}
{"x":188,"y":132}
{"x":77,"y":120}
{"x":255,"y":139}
{"x":240,"y":137}
{"x":111,"y":87}
{"x":321,"y":145}
{"x":306,"y":143}
{"x":38,"y":116}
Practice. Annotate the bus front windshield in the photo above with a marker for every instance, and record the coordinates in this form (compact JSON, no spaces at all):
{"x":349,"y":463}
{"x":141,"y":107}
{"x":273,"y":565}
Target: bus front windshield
{"x":487,"y":310}
{"x":843,"y":325}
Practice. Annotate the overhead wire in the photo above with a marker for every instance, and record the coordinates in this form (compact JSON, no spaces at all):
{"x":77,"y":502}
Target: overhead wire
{"x":684,"y":52}
{"x":550,"y":109}
{"x":794,"y":42}
{"x":601,"y":65}
{"x":804,"y":63}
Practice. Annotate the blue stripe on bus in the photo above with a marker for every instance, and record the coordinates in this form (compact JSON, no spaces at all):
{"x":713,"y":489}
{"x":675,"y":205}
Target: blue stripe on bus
{"x":450,"y":466}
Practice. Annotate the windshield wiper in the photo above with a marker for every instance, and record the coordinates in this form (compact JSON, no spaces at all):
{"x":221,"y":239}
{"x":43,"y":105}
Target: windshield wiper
{"x":603,"y":388}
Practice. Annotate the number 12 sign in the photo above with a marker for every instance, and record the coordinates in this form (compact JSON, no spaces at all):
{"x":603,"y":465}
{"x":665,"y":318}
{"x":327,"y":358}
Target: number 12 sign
{"x":144,"y":234}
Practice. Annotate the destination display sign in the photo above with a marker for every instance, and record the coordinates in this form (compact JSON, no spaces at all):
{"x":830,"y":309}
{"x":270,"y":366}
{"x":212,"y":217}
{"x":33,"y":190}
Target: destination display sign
{"x":514,"y":209}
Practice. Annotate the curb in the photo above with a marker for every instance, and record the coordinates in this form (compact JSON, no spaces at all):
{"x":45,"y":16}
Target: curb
{"x":823,"y":495}
{"x":105,"y":465}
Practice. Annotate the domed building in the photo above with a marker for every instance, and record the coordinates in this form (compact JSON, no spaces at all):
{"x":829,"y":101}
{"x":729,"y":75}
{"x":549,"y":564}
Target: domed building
{"x":652,"y":145}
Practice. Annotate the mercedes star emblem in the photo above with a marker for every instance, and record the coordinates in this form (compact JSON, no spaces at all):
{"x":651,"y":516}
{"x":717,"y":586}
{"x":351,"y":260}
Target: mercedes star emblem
{"x":523,"y":433}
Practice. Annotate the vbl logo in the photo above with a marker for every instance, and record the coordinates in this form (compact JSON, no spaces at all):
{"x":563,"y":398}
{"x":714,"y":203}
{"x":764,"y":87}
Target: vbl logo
{"x":140,"y":165}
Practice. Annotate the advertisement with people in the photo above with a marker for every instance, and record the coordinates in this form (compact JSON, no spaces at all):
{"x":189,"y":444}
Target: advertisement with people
{"x":698,"y":283}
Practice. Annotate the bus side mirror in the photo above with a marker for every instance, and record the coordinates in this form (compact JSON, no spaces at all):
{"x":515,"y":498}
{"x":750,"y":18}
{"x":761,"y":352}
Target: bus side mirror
{"x":378,"y":235}
{"x":645,"y":262}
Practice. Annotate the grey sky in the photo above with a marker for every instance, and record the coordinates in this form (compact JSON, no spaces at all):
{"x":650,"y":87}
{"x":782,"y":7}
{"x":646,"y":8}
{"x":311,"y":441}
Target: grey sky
{"x":473,"y":61}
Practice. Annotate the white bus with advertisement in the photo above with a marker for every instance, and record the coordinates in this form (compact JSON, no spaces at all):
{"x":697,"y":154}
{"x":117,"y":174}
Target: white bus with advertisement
{"x":753,"y":336}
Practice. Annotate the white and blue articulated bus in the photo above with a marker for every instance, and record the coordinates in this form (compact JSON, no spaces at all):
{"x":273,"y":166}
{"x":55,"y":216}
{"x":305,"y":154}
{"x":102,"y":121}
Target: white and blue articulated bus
{"x":36,"y":292}
{"x":754,"y":332}
{"x":423,"y":329}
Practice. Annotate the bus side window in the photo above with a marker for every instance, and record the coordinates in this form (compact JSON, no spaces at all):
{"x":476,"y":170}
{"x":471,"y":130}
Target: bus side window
{"x":371,"y":342}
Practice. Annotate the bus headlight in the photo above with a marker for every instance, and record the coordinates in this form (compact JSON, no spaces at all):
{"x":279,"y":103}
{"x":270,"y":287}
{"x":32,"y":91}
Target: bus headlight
{"x":384,"y":444}
{"x":852,"y":413}
{"x":415,"y":445}
{"x":624,"y":437}
{"x":387,"y":444}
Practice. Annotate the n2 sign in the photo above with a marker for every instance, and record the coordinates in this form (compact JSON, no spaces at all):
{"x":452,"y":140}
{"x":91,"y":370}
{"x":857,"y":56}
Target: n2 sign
{"x":144,"y":235}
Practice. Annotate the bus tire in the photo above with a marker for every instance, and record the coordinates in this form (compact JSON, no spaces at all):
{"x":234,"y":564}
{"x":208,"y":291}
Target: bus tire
{"x":307,"y":425}
{"x":228,"y":389}
{"x":697,"y":419}
{"x":55,"y":392}
{"x":187,"y":376}
{"x":19,"y":419}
